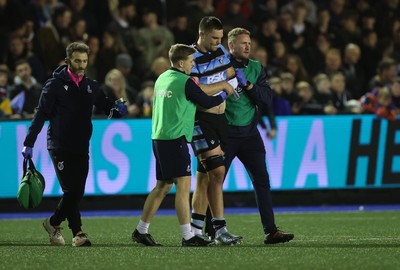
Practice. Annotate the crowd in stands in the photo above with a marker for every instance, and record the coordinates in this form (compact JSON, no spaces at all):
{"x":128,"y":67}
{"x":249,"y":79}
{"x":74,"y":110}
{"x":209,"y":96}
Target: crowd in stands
{"x":321,"y":56}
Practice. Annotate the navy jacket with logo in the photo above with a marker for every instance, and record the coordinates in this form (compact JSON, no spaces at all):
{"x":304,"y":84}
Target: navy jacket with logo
{"x":69,"y":111}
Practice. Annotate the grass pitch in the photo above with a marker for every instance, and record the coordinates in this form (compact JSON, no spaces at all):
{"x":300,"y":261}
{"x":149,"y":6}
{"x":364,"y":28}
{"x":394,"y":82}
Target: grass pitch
{"x":352,"y":240}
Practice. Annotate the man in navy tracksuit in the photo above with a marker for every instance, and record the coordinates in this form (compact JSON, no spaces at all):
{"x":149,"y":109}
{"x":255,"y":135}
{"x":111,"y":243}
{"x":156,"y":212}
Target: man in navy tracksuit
{"x":67,"y":101}
{"x":244,"y":140}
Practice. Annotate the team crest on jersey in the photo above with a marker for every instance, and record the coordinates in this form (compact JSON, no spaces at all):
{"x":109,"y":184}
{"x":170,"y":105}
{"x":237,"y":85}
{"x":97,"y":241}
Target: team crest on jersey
{"x":188,"y":169}
{"x":60,"y":165}
{"x":212,"y":141}
{"x":66,"y":87}
{"x":89,"y":90}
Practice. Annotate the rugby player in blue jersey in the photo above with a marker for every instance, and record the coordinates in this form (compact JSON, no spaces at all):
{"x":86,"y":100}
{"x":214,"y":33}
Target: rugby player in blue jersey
{"x":212,"y":65}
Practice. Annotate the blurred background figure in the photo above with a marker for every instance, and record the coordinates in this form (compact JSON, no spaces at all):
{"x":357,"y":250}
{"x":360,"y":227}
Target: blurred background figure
{"x":322,"y":86}
{"x":159,"y":65}
{"x":5,"y":104}
{"x":53,"y":38}
{"x":145,"y":99}
{"x":379,"y":102}
{"x":124,"y":63}
{"x":154,"y":39}
{"x":280,"y":104}
{"x":25,"y":92}
{"x":115,"y":87}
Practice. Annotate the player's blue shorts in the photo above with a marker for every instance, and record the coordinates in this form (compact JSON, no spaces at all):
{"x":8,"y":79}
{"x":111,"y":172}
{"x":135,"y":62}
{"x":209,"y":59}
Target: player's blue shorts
{"x":172,"y":158}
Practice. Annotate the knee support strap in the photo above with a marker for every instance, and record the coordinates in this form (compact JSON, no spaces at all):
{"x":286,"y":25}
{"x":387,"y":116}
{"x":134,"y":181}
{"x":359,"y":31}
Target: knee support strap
{"x":212,"y":162}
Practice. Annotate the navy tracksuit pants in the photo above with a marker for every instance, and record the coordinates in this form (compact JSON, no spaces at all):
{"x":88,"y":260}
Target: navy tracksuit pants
{"x":250,"y":150}
{"x":72,"y":170}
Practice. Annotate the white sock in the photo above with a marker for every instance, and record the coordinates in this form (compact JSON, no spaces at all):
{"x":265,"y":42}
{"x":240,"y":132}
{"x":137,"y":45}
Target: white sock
{"x":186,"y":231}
{"x":197,"y":226}
{"x":143,"y":227}
{"x":197,"y":231}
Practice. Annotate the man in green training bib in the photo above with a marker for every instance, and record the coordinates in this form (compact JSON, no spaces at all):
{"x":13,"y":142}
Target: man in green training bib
{"x":175,"y":97}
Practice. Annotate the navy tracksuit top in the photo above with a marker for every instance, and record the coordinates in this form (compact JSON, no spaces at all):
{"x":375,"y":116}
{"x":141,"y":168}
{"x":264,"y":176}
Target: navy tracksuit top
{"x":69,"y":111}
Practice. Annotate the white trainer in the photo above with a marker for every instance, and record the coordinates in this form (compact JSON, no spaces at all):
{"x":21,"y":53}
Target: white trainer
{"x":81,"y":240}
{"x":56,"y":238}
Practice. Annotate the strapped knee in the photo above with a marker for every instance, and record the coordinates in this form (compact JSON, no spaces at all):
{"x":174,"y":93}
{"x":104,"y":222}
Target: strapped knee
{"x":212,"y":162}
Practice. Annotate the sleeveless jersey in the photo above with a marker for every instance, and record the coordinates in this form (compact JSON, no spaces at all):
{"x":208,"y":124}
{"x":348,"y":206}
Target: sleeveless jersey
{"x":241,"y":112}
{"x":173,"y":114}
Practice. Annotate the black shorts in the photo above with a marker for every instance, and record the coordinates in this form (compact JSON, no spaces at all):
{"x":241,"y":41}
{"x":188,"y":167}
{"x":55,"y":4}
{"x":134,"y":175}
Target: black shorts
{"x":210,"y":130}
{"x":172,"y":158}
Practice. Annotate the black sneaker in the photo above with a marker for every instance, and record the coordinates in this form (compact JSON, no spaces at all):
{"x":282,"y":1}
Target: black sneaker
{"x":278,"y":237}
{"x":198,"y":241}
{"x":145,"y":238}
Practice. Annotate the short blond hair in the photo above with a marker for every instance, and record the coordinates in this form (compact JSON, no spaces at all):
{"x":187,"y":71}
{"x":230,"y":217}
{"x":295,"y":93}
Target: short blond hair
{"x":236,"y":32}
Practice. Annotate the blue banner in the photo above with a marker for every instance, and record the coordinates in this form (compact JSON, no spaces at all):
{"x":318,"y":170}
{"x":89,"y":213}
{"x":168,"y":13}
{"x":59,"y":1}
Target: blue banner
{"x":309,"y":152}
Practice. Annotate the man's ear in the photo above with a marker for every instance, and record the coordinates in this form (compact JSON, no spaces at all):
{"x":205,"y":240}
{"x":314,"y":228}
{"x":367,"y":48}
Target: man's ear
{"x":66,"y":60}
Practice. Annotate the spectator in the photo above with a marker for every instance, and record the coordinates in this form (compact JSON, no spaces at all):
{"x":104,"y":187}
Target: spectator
{"x":112,"y":46}
{"x":17,"y":50}
{"x":54,"y":37}
{"x":289,"y":37}
{"x":310,"y":8}
{"x":349,"y":33}
{"x":340,"y":95}
{"x":179,"y":28}
{"x":197,"y":10}
{"x":288,"y":91}
{"x":11,"y":18}
{"x":25,"y":92}
{"x":307,"y":104}
{"x":379,"y":102}
{"x":78,"y":30}
{"x":261,"y":55}
{"x":368,"y":20}
{"x":80,"y":11}
{"x":4,"y":76}
{"x":124,"y":63}
{"x":336,"y":10}
{"x":125,"y":25}
{"x":294,"y":65}
{"x":263,"y":9}
{"x":145,"y":99}
{"x":268,"y":33}
{"x":387,"y":71}
{"x":40,"y":12}
{"x":154,"y":39}
{"x":323,"y":25}
{"x":280,"y":104}
{"x":94,"y":47}
{"x":279,"y":54}
{"x":302,"y":28}
{"x":370,"y":48}
{"x":333,"y":61}
{"x":395,"y":91}
{"x":354,"y":71}
{"x":232,"y":17}
{"x":322,"y":86}
{"x":115,"y":87}
{"x":5,"y":104}
{"x":159,"y":65}
{"x":386,"y":11}
{"x":315,"y":54}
